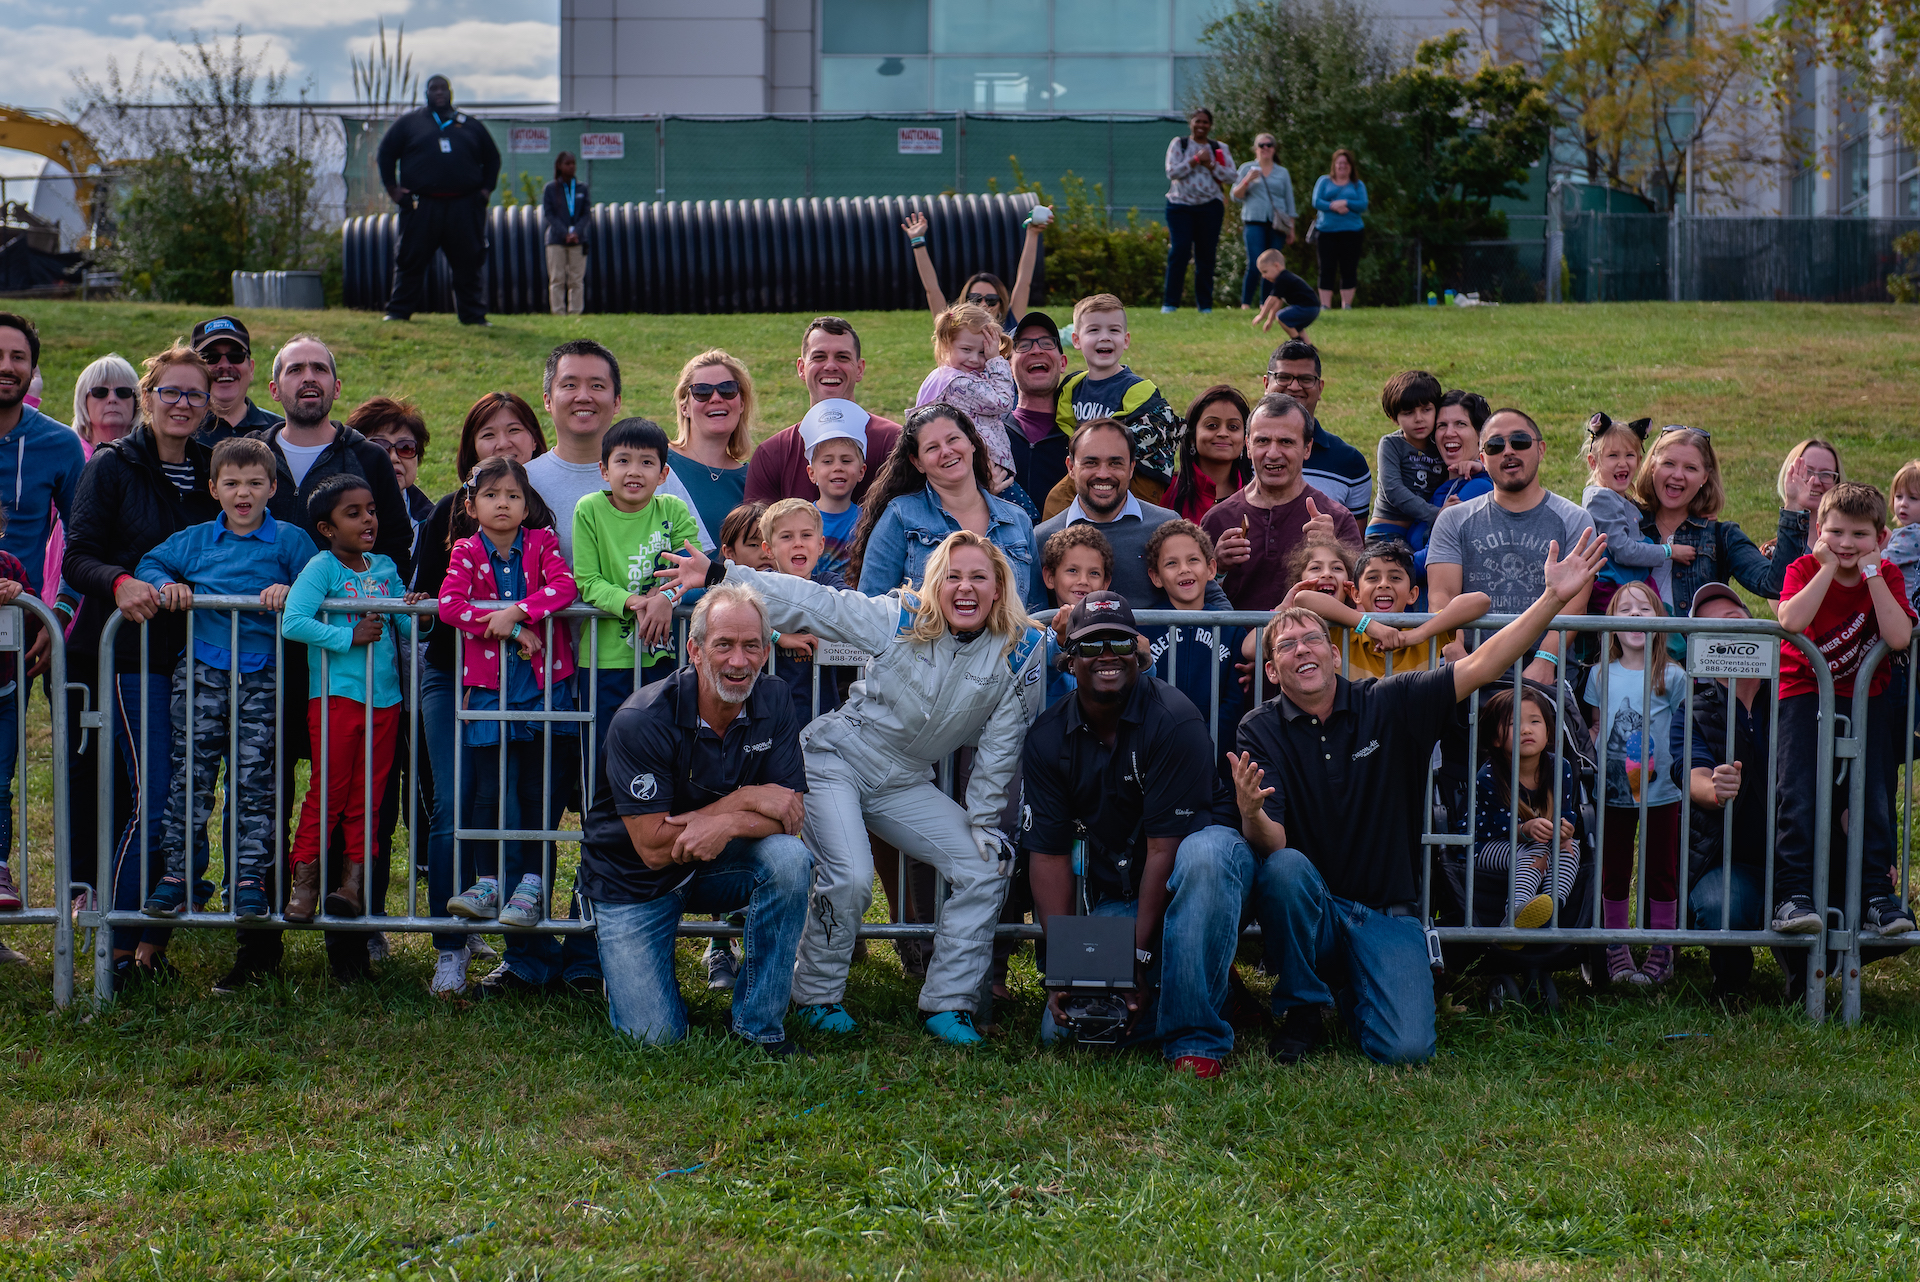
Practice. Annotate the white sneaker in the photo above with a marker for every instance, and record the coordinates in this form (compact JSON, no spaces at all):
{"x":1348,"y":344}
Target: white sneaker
{"x":480,"y":949}
{"x":450,"y":974}
{"x":378,"y":949}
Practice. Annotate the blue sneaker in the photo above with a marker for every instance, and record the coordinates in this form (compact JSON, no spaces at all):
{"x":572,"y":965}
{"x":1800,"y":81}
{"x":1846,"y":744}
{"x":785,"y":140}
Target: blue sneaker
{"x":167,"y":899}
{"x":955,"y":1027}
{"x":250,"y":901}
{"x":827,"y":1017}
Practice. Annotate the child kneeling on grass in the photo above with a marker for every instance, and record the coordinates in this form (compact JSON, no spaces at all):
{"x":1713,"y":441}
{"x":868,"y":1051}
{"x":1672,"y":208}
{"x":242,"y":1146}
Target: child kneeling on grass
{"x":338,"y":694}
{"x":244,"y":552}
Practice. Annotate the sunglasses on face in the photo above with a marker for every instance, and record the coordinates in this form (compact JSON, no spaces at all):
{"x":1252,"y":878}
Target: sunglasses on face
{"x":193,"y":396}
{"x":1520,"y":442}
{"x":1095,"y":647}
{"x":984,"y":300}
{"x":397,"y":449}
{"x":1263,"y":145}
{"x":704,"y":392}
{"x":224,"y":356}
{"x":102,"y":393}
{"x":1036,"y":345}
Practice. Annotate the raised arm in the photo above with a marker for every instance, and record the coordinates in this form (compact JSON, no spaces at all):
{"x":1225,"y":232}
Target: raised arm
{"x":795,"y":604}
{"x":1568,"y":580}
{"x":916,"y":229}
{"x":1023,"y":271}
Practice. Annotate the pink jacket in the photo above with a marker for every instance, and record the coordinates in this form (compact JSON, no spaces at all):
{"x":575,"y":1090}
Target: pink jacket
{"x":550,"y":587}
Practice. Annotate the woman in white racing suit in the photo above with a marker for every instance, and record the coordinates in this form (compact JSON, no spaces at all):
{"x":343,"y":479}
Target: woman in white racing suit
{"x":956,"y":662}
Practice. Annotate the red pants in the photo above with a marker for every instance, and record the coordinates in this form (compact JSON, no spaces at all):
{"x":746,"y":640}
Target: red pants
{"x":347,"y":775}
{"x":1622,"y":852}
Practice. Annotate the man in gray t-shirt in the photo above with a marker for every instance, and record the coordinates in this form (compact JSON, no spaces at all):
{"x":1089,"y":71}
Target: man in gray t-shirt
{"x":1497,"y":543}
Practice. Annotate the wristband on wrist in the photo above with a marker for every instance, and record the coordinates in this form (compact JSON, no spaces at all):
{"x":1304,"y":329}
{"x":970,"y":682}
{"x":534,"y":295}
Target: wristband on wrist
{"x":775,"y":639}
{"x":1668,"y":549}
{"x":1549,"y":656}
{"x":1366,"y":620}
{"x":916,"y":241}
{"x":515,"y":635}
{"x":1871,"y":571}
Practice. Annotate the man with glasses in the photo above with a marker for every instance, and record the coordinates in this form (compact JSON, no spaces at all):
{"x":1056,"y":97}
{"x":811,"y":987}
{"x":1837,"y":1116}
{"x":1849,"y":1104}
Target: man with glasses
{"x":1331,"y":783}
{"x":1496,"y":543}
{"x":1039,"y":363}
{"x":1335,"y":468}
{"x":1110,"y":767}
{"x":224,"y":345}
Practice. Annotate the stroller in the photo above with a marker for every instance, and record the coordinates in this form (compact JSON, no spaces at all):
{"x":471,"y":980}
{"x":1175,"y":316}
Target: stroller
{"x":1523,"y":974}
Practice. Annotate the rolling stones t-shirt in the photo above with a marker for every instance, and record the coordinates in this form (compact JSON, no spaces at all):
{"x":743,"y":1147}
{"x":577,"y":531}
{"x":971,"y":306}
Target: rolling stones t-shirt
{"x":1502,"y":553}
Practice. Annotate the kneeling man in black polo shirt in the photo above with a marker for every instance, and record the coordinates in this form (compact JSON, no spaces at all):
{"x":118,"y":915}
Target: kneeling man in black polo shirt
{"x":1122,"y":766}
{"x":1331,"y":780}
{"x":696,"y":810}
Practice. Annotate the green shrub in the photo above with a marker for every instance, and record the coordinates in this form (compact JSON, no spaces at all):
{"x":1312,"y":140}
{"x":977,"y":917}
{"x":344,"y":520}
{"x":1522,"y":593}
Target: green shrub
{"x":1904,"y":285}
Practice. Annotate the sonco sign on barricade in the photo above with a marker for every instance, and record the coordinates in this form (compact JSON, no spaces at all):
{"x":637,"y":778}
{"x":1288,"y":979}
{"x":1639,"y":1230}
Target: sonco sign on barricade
{"x":1726,"y":657}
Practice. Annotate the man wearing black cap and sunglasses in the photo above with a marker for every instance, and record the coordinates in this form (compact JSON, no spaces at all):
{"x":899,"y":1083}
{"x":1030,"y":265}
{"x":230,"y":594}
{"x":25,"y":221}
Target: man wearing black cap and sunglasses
{"x":1113,"y":767}
{"x":1497,"y":543}
{"x":223,"y":343}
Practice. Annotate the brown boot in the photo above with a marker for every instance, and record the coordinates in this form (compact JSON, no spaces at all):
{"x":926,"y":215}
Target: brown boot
{"x":306,"y":891}
{"x":349,"y":900}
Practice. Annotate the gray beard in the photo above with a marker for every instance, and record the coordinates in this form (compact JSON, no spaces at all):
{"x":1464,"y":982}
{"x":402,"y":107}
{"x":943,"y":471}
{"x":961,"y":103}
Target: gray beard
{"x":721,"y":692}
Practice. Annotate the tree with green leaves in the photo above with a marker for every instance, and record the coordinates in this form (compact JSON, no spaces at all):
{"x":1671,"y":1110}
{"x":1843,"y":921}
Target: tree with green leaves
{"x":1875,"y":44}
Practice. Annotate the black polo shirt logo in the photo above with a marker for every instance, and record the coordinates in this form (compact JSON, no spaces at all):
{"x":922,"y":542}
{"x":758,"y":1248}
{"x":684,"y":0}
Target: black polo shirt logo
{"x":1367,"y":751}
{"x":762,"y":746}
{"x":644,"y":787}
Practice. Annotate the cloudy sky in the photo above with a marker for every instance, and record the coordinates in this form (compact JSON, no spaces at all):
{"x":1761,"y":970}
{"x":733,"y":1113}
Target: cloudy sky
{"x":494,"y":50}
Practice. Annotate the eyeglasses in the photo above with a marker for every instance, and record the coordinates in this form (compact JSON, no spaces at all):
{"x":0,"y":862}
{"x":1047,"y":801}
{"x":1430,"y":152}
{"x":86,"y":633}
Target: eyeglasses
{"x":1036,"y":345}
{"x":102,"y":393}
{"x":1823,"y":476}
{"x":225,"y":356}
{"x":408,"y":448}
{"x":984,"y":300}
{"x":704,"y":392}
{"x":1682,"y":427}
{"x":1095,"y":647}
{"x":1278,"y":379}
{"x":193,"y":396}
{"x":1520,"y":442}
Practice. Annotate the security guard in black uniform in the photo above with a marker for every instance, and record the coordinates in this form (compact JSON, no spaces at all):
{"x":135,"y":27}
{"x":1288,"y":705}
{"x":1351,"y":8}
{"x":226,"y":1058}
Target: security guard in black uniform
{"x":450,"y":165}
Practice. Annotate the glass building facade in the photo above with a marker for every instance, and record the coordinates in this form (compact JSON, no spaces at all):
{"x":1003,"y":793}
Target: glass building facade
{"x":984,"y":56}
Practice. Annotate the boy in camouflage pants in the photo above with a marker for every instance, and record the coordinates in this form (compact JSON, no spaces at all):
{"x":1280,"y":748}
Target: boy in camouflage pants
{"x":245,"y":552}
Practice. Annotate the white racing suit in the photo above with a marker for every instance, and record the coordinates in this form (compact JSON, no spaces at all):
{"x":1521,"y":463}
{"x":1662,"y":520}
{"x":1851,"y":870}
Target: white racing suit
{"x":870,"y":765}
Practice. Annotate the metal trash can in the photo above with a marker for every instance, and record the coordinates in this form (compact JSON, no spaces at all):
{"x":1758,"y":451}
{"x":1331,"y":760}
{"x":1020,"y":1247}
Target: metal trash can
{"x":287,"y":291}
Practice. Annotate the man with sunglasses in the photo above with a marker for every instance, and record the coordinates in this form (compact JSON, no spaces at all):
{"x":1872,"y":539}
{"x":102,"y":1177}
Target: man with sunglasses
{"x":1112,"y":767}
{"x":1496,"y":543}
{"x":224,"y":345}
{"x":1334,"y":467}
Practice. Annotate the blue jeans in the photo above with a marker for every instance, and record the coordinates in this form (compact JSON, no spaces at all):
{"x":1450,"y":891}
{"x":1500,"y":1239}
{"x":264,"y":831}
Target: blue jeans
{"x":1193,"y":232}
{"x":439,"y":696}
{"x":1732,"y":967}
{"x":1298,"y":317}
{"x":1193,"y":958}
{"x":769,"y":878}
{"x":1260,"y":238}
{"x":1380,"y":961}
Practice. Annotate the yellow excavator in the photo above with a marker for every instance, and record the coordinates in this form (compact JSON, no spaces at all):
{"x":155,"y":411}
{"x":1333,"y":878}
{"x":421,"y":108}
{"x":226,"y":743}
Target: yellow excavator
{"x":66,"y":144}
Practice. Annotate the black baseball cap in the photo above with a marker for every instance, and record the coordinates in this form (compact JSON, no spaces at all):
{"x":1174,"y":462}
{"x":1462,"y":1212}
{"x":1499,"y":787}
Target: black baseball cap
{"x":1037,"y":319}
{"x":217,"y":329}
{"x":1101,"y":614}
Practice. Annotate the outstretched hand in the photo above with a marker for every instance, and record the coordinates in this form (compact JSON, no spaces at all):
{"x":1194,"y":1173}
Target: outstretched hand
{"x":686,"y":571}
{"x":1248,"y":780}
{"x":916,"y":224}
{"x":1567,"y":577}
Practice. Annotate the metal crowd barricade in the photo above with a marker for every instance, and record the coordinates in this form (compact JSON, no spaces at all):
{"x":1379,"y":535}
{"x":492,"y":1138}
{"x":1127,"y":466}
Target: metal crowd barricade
{"x":1854,"y":942}
{"x":1765,"y":638}
{"x":23,"y":850}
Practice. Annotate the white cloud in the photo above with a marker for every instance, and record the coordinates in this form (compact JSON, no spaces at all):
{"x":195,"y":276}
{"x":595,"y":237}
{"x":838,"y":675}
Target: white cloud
{"x":42,"y":59}
{"x":464,"y":51}
{"x":224,"y":15}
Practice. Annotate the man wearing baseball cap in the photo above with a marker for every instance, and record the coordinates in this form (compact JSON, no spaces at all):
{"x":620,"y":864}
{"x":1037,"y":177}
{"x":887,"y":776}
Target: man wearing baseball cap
{"x":1039,"y":363}
{"x":1728,"y":893}
{"x":224,"y":344}
{"x":1114,"y":766}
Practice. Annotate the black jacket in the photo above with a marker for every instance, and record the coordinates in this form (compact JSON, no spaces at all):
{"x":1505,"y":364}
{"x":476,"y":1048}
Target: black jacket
{"x":469,"y":166}
{"x":350,"y":453}
{"x":214,"y":429}
{"x":554,"y":216}
{"x":126,"y":507}
{"x":1707,"y":826}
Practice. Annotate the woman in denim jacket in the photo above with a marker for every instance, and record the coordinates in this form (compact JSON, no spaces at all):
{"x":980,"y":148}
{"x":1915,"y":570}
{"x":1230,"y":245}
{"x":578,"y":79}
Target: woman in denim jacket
{"x":1680,"y":491}
{"x":936,"y":482}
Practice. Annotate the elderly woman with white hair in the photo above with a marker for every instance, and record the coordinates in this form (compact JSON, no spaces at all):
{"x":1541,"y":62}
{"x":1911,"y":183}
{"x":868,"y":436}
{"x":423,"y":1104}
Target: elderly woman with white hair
{"x":106,"y":401}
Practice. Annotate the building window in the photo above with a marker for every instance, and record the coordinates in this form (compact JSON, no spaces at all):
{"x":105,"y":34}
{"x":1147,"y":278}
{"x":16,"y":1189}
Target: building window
{"x":1800,"y":194}
{"x":1907,"y":184}
{"x":1855,"y":178}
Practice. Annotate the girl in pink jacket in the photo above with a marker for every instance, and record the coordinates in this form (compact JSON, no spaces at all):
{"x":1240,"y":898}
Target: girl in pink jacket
{"x":512,"y":659}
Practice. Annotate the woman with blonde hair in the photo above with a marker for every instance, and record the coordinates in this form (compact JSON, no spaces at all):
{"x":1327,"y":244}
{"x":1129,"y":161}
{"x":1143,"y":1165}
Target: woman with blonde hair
{"x":955,"y":658}
{"x":1809,"y":470}
{"x":713,"y":406}
{"x":1679,"y":490}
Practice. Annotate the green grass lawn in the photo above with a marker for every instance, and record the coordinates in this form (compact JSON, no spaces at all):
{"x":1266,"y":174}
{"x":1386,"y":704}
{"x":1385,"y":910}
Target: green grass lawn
{"x":302,"y":1131}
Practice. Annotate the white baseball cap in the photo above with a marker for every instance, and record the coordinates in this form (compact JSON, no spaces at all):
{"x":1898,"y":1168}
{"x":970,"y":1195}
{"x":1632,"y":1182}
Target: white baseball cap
{"x":832,"y":420}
